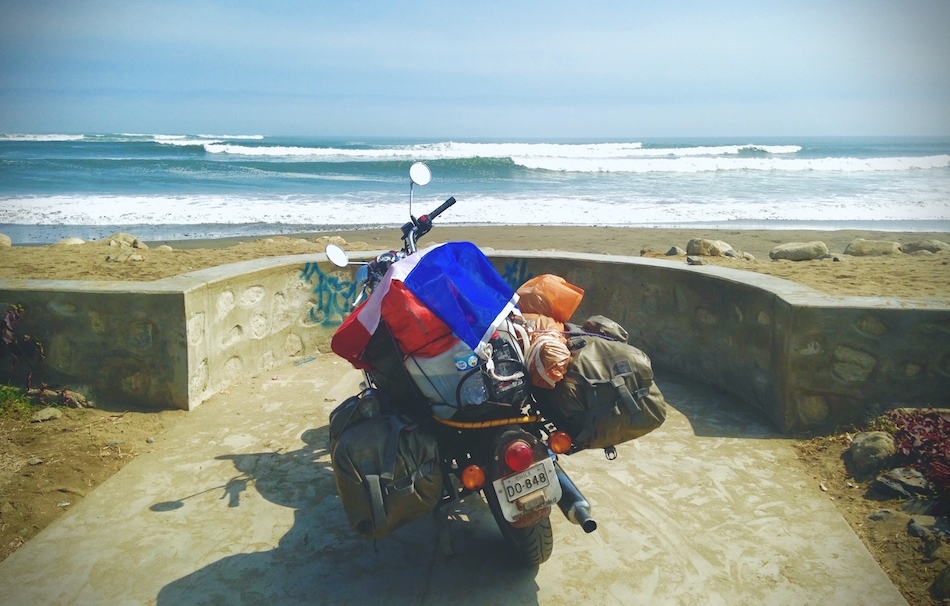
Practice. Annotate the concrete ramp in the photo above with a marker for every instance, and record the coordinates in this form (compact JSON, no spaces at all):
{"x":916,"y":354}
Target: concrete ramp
{"x":237,"y":505}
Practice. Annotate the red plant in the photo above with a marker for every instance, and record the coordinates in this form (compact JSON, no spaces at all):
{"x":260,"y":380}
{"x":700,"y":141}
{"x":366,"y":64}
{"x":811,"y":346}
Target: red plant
{"x":23,"y":349}
{"x":923,"y":442}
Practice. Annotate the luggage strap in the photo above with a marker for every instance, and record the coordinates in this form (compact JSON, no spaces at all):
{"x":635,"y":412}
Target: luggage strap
{"x":624,"y":396}
{"x":382,"y":483}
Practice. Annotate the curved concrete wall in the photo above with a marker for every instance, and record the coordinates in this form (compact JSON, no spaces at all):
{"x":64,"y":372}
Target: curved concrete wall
{"x":805,"y":358}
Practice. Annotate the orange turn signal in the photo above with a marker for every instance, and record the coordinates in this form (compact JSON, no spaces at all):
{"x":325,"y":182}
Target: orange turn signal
{"x":473,"y":477}
{"x":559,"y":442}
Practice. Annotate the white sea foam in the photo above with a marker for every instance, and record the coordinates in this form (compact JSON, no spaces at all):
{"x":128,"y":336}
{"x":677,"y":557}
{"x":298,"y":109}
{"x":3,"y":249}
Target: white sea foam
{"x":183,"y":141}
{"x":233,"y":137}
{"x":451,"y":151}
{"x":18,"y":137}
{"x":710,"y":164}
{"x":361,"y":209}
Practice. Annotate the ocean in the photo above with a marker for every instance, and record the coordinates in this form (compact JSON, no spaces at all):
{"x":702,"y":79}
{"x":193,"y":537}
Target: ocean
{"x":163,"y":187}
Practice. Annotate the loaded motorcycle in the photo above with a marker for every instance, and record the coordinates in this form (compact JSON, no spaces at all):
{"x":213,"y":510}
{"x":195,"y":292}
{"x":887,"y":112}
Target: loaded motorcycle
{"x":448,"y":408}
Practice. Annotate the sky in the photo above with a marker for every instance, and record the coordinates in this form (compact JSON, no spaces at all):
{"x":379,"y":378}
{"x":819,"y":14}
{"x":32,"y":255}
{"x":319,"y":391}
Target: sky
{"x":478,"y":70}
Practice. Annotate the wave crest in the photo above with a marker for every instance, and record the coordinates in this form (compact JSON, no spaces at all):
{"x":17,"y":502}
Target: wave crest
{"x":712,"y":164}
{"x":19,"y":137}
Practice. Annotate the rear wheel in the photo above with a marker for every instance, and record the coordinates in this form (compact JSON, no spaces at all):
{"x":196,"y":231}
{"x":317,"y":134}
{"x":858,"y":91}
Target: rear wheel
{"x":533,"y":544}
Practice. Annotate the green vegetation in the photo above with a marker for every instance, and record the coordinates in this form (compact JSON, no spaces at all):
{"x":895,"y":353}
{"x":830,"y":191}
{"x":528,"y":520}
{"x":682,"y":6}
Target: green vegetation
{"x":14,"y":403}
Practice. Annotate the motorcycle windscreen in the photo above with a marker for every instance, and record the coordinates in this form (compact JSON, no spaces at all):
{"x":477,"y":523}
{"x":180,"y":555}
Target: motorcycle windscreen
{"x":458,"y":283}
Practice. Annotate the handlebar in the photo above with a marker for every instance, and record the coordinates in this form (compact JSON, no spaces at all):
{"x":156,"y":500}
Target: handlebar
{"x":445,"y":206}
{"x":417,"y":228}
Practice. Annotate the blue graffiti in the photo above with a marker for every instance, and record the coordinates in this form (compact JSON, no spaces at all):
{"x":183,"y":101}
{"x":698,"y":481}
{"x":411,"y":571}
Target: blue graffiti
{"x":516,"y":273}
{"x":332,"y":295}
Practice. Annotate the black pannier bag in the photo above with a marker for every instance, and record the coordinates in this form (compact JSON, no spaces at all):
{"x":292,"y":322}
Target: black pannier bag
{"x":386,"y":467}
{"x":607,"y":395}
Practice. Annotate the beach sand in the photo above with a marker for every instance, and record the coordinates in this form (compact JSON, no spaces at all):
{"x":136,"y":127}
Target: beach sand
{"x":895,"y":275}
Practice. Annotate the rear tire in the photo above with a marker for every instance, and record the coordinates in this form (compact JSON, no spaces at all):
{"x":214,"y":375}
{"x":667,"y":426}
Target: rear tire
{"x":533,"y":544}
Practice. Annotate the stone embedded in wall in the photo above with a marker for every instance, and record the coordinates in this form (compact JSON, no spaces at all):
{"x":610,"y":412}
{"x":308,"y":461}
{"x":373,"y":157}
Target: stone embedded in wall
{"x":129,"y":374}
{"x":281,"y":313}
{"x":233,"y":369}
{"x":265,"y":361}
{"x":682,"y":303}
{"x":96,"y":323}
{"x":812,"y":409}
{"x":198,"y":382}
{"x":140,"y":334}
{"x":63,"y":355}
{"x":252,"y":296}
{"x":853,"y":366}
{"x":225,"y":303}
{"x":812,"y":349}
{"x":705,"y":316}
{"x":136,"y":384}
{"x":233,"y":336}
{"x":293,"y":346}
{"x":196,"y":329}
{"x":911,"y":370}
{"x":738,"y":313}
{"x":259,"y":325}
{"x":61,"y":308}
{"x":764,"y":318}
{"x":871,"y":326}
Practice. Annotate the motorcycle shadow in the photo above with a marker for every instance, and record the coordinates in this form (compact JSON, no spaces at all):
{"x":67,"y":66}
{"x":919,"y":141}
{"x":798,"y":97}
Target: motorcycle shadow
{"x":321,"y":559}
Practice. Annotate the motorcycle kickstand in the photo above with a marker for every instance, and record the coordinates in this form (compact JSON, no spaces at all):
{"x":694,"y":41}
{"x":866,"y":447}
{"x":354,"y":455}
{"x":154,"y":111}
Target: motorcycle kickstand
{"x":441,"y":516}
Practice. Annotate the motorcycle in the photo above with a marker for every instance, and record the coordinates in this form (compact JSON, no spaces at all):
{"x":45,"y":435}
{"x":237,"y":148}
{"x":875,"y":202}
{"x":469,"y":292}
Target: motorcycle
{"x":495,"y":439}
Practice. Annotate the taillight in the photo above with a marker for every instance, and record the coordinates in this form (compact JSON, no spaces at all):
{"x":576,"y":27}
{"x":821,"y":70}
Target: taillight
{"x":559,"y":442}
{"x":473,"y":477}
{"x":519,"y":456}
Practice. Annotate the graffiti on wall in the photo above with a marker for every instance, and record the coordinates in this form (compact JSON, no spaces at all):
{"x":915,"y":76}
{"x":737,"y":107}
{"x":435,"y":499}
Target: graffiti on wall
{"x":516,"y":273}
{"x":331,"y":295}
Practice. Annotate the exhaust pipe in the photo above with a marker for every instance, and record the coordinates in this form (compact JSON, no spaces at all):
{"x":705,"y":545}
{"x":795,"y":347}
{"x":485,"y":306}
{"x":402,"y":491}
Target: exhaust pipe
{"x":573,"y":504}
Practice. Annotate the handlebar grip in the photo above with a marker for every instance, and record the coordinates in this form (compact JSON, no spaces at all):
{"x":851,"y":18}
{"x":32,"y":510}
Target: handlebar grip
{"x":439,"y":210}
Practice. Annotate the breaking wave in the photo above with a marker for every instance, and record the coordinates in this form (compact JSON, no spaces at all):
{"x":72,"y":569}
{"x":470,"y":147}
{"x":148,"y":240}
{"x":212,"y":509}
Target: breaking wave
{"x":15,"y":137}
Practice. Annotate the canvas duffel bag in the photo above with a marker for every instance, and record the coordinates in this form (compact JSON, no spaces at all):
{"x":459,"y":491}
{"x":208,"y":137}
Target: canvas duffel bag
{"x":607,"y":395}
{"x":386,"y":467}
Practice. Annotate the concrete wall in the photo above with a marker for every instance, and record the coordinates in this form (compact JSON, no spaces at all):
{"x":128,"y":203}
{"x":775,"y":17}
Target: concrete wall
{"x":177,"y":341}
{"x":804,"y":358}
{"x":121,"y":339}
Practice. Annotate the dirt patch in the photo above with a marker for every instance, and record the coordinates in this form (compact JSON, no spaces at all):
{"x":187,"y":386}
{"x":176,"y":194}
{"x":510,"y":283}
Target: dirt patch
{"x":911,"y":563}
{"x":48,"y":467}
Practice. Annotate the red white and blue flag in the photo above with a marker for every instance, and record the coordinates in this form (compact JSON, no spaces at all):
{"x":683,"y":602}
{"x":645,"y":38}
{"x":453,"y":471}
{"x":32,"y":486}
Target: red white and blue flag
{"x":453,"y":281}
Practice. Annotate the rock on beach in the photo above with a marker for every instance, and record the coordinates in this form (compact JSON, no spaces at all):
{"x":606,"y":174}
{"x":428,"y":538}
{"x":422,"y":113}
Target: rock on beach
{"x":707,"y":248}
{"x":5,"y":240}
{"x":931,"y":246}
{"x":872,"y":248}
{"x":871,"y":450}
{"x":70,"y":242}
{"x":799,"y":251}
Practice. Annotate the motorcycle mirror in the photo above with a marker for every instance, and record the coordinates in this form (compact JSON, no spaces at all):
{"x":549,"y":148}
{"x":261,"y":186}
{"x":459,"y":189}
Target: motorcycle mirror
{"x":337,"y":255}
{"x":419,"y":173}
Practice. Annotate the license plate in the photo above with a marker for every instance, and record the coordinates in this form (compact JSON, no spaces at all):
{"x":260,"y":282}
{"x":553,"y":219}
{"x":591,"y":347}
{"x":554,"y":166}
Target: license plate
{"x":534,"y":478}
{"x":539,"y":479}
